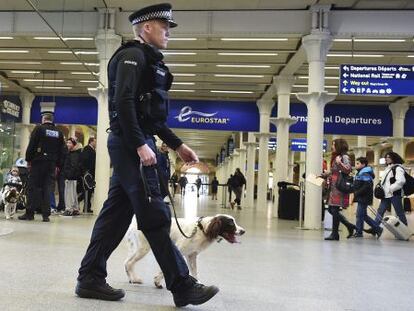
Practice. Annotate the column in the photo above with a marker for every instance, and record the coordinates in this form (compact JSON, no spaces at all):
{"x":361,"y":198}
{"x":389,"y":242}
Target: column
{"x":361,"y":149}
{"x":242,"y":160}
{"x":235,"y":161}
{"x":265,"y":108}
{"x":316,"y":46}
{"x":291,"y":166}
{"x":302,"y":162}
{"x":27,"y":100}
{"x":398,"y":141}
{"x":250,"y":166}
{"x":106,"y":43}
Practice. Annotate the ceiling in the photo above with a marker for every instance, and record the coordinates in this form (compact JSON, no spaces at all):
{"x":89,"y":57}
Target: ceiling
{"x":206,"y":67}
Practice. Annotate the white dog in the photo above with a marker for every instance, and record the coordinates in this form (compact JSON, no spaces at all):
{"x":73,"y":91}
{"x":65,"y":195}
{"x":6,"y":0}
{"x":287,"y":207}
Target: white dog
{"x":10,"y":197}
{"x":207,"y":230}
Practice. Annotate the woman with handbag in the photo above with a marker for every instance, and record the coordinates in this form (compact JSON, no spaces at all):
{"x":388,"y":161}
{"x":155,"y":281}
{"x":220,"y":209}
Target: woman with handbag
{"x":392,"y":185}
{"x":340,"y":163}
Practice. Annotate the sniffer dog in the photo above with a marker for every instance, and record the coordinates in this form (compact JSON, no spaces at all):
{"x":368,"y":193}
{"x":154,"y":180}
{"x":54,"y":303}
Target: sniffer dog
{"x":10,"y":196}
{"x":207,"y":230}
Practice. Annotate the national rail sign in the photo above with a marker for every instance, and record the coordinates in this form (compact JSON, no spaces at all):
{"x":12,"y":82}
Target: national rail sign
{"x":376,"y":80}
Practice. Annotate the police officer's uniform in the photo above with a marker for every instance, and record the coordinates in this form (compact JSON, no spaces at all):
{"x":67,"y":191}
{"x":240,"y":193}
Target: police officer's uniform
{"x":45,"y":152}
{"x":138,"y":84}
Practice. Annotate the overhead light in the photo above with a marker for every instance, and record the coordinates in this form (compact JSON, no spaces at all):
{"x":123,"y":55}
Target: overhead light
{"x":232,"y":92}
{"x":243,"y":66}
{"x":342,"y":40}
{"x":84,"y":73}
{"x":60,"y":52}
{"x":184,"y":74}
{"x":180,"y":65}
{"x":19,"y":62}
{"x":355,"y":55}
{"x":179,"y":53}
{"x":254,"y":39}
{"x":334,"y":94}
{"x":25,"y":71}
{"x":88,"y":81}
{"x":86,"y":52}
{"x":183,"y":83}
{"x":326,"y":78}
{"x":238,"y":76}
{"x":246,"y":54}
{"x":305,"y":85}
{"x":43,"y":80}
{"x":300,"y":85}
{"x":184,"y":91}
{"x":331,"y":86}
{"x":14,"y":51}
{"x":332,"y":68}
{"x":182,"y":39}
{"x":379,"y":40}
{"x":410,"y":56}
{"x":92,"y":88}
{"x":6,"y":38}
{"x":54,"y":87}
{"x":65,"y":39}
{"x":79,"y":63}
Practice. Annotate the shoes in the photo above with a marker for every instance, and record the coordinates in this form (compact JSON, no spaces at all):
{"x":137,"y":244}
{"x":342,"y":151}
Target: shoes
{"x":26,"y":216}
{"x":351,"y":229}
{"x":379,"y":232}
{"x":371,"y":231}
{"x":89,"y":211}
{"x":67,"y":213}
{"x":239,"y":207}
{"x":358,"y":235}
{"x":46,"y":219}
{"x":197,"y":294}
{"x":99,"y":291}
{"x":332,"y":237}
{"x":232,"y":205}
{"x":75,"y":213}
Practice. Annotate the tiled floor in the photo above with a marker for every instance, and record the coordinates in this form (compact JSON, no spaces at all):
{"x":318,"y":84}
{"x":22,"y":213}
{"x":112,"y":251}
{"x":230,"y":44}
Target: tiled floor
{"x":276,"y":267}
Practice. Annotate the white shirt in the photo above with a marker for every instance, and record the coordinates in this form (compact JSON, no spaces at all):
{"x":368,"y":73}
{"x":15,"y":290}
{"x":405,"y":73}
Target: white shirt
{"x":389,"y":188}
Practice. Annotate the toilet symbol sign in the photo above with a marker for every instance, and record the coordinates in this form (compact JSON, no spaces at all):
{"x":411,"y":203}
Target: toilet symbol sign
{"x":376,"y":80}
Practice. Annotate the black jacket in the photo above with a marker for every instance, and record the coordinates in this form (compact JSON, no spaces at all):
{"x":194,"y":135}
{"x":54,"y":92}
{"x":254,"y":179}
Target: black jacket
{"x":363,"y":186}
{"x":72,"y":168}
{"x":46,"y":144}
{"x":129,"y":77}
{"x":88,"y":160}
{"x":238,"y":180}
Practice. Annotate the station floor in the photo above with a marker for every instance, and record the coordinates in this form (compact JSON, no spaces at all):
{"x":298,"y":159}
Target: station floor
{"x":275,"y":267}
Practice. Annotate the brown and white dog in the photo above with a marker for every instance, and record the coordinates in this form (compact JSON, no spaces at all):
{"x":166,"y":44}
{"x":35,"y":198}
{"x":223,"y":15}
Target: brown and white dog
{"x":208,"y":230}
{"x":10,"y":197}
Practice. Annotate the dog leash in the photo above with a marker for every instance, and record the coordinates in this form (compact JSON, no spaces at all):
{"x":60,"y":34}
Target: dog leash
{"x":162,"y":183}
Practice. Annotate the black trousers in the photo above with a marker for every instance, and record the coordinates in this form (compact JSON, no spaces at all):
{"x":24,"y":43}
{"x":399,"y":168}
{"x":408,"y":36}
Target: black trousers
{"x":40,"y":185}
{"x":125,"y":198}
{"x":61,"y":190}
{"x":337,"y":217}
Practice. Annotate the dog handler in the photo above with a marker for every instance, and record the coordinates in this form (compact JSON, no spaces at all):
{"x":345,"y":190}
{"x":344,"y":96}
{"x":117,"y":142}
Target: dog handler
{"x":138,"y":84}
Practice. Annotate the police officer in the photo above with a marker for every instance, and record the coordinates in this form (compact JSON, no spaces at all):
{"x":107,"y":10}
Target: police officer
{"x":45,"y":152}
{"x":138,"y":83}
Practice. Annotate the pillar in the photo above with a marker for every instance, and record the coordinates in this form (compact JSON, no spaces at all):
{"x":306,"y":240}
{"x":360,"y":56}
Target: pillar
{"x":302,"y":162}
{"x":265,"y":108}
{"x":316,"y":46}
{"x":291,"y":166}
{"x":106,"y":43}
{"x":27,"y":100}
{"x":250,"y":166}
{"x":398,"y":141}
{"x":361,"y":149}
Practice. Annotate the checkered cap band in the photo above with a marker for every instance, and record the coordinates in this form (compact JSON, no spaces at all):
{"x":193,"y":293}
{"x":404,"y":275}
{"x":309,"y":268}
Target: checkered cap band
{"x":153,"y":15}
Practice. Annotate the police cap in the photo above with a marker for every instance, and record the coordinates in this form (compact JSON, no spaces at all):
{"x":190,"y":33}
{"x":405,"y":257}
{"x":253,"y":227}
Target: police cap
{"x":158,"y":11}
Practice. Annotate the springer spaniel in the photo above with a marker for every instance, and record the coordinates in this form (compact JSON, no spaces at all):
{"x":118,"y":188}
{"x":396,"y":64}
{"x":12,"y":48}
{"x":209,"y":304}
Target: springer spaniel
{"x":207,"y":230}
{"x":10,"y":196}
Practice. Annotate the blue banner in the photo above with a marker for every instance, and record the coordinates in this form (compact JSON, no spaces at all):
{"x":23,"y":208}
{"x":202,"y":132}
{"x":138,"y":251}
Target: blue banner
{"x":214,"y":115}
{"x":376,"y":80}
{"x":68,"y":110}
{"x":346,"y":119}
{"x":10,"y":109}
{"x":300,"y":144}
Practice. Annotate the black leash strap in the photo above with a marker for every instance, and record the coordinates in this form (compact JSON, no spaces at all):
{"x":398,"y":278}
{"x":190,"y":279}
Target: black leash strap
{"x":147,"y":192}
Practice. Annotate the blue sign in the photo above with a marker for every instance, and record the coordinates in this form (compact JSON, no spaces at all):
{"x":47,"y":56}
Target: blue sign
{"x":300,"y":144}
{"x":345,"y":119}
{"x":10,"y":109}
{"x":214,"y":115}
{"x":377,"y":80}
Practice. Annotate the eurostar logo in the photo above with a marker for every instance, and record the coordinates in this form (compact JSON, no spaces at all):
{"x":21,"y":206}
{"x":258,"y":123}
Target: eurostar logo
{"x":188,"y":114}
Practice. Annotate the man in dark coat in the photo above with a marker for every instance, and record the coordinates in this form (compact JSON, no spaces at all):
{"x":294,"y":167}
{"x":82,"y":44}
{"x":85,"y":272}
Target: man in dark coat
{"x":88,"y":160}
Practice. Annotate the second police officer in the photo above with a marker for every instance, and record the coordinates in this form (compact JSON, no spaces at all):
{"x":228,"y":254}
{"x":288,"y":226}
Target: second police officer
{"x":138,"y":82}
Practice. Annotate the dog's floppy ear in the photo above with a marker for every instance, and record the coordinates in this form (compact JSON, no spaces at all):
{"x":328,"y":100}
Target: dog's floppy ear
{"x":213,"y":228}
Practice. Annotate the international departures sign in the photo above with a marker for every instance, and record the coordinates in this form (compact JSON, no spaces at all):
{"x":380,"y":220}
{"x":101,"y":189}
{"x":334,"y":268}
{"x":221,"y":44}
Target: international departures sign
{"x":376,"y":80}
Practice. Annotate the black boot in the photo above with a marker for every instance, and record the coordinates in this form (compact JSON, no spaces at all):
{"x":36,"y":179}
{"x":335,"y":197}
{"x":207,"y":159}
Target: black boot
{"x":332,"y":237}
{"x":351,"y":228}
{"x":196,"y":294}
{"x":99,"y":291}
{"x":26,"y":216}
{"x":371,"y":231}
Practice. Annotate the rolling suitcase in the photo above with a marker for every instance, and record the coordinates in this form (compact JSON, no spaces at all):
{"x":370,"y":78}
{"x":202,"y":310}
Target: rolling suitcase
{"x":395,"y":226}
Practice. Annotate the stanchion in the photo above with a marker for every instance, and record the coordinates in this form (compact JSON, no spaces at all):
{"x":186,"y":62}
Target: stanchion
{"x":301,"y":205}
{"x":223,"y":195}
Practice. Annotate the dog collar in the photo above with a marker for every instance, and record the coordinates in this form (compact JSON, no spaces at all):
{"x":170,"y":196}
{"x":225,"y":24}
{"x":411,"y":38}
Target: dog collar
{"x":199,"y":224}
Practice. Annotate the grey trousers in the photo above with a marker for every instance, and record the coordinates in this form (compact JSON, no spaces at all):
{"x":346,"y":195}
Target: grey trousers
{"x":71,"y":196}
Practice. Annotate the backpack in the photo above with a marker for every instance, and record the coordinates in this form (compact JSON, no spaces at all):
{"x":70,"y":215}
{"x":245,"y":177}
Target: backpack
{"x":408,"y":187}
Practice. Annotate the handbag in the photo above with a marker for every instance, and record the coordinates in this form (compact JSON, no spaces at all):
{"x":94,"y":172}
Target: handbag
{"x":345,"y":183}
{"x":88,"y":181}
{"x":379,"y":192}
